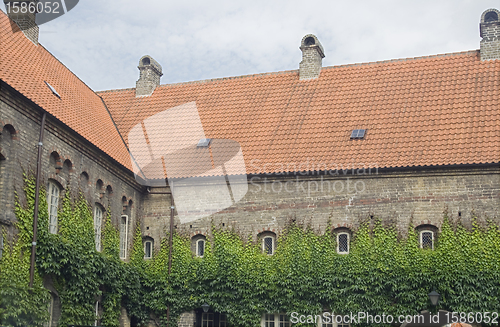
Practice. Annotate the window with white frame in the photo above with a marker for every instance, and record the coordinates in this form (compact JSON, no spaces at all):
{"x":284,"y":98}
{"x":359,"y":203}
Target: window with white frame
{"x":275,"y":320}
{"x":53,"y":204}
{"x":200,"y":247}
{"x":97,"y":320}
{"x":427,"y":239}
{"x":97,"y":226}
{"x":148,"y":249}
{"x":123,"y":236}
{"x":268,"y":245}
{"x":51,"y":311}
{"x":343,"y":243}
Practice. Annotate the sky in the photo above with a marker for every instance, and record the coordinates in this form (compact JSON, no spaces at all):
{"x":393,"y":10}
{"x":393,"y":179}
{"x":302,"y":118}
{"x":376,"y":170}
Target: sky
{"x":101,"y":41}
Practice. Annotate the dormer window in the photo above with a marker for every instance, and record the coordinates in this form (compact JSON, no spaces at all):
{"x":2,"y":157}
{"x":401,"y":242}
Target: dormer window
{"x":204,"y":143}
{"x":52,"y":89}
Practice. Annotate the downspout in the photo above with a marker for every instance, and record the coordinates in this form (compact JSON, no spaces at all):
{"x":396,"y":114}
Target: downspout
{"x":170,"y":240}
{"x":37,"y":199}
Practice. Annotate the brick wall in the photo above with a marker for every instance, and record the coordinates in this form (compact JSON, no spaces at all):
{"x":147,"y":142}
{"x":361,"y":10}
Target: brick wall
{"x":19,"y":141}
{"x":406,"y":197}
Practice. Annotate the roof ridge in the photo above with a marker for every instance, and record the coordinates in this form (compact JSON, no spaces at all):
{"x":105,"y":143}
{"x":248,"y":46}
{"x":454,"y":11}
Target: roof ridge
{"x":439,"y":55}
{"x":209,"y":80}
{"x":448,"y":54}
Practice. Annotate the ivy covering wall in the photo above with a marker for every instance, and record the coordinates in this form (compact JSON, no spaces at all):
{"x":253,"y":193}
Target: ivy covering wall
{"x":383,"y":273}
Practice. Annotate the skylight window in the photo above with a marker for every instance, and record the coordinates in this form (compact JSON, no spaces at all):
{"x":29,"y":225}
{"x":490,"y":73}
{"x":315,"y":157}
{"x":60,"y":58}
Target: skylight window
{"x":203,"y":143}
{"x":52,"y":89}
{"x":358,"y":133}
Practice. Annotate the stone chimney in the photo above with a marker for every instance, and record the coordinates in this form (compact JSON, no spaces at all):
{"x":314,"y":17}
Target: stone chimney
{"x":312,"y":56}
{"x":490,"y":32}
{"x":149,"y":78}
{"x":25,"y":21}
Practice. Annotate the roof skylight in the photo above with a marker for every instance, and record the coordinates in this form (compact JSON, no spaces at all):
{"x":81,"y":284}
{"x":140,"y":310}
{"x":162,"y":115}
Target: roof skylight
{"x":52,"y":89}
{"x":358,"y":134}
{"x":203,"y":143}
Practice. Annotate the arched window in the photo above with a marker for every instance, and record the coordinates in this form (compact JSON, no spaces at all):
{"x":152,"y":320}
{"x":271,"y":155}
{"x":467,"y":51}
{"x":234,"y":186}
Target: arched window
{"x":268,"y":240}
{"x":198,"y":243}
{"x":54,"y":310}
{"x":491,"y":17}
{"x":427,"y":239}
{"x":97,"y":315}
{"x":97,"y":226}
{"x":123,"y":236}
{"x":200,"y":248}
{"x":53,"y":203}
{"x":343,"y":239}
{"x":268,"y":245}
{"x":427,"y":236}
{"x":148,"y":248}
{"x":343,"y":243}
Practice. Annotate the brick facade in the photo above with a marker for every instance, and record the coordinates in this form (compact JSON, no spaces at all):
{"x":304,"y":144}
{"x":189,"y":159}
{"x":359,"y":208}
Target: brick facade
{"x":406,"y":197}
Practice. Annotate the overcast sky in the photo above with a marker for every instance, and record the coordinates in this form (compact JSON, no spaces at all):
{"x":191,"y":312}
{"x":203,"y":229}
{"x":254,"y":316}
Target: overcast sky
{"x":101,"y":41}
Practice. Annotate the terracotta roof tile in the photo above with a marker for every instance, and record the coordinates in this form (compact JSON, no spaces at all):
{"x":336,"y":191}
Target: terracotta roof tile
{"x":26,"y":67}
{"x":436,"y":110}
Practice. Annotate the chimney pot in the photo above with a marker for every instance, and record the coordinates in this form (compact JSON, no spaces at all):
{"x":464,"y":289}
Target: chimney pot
{"x":312,"y":57}
{"x":490,"y":33}
{"x":149,"y":78}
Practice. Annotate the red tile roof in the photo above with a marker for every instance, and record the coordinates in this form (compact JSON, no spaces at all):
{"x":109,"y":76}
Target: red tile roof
{"x":26,"y":67}
{"x":436,"y":110}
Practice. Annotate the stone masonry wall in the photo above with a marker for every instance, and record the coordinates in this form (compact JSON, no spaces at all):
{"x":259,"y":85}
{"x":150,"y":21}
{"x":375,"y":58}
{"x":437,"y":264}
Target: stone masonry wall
{"x":490,"y":44}
{"x":406,"y":197}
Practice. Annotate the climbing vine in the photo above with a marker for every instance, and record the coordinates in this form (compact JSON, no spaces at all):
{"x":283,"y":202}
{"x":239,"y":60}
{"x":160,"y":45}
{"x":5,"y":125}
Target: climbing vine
{"x":383,"y":273}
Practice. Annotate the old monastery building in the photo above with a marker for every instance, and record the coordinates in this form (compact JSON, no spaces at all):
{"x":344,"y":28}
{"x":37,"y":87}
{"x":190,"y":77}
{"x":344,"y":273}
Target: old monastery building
{"x":404,"y":140}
